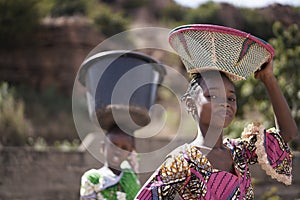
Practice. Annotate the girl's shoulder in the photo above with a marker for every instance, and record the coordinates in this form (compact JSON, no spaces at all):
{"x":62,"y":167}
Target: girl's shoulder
{"x":177,"y":154}
{"x":247,"y":136}
{"x":175,"y":168}
{"x":176,"y":159}
{"x":182,"y":156}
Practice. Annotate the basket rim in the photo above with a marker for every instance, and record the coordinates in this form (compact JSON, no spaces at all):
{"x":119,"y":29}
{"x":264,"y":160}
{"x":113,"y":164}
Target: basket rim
{"x":220,"y":29}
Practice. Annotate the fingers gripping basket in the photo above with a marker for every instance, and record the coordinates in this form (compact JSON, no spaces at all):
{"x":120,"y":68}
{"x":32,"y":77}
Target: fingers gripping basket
{"x":210,"y":47}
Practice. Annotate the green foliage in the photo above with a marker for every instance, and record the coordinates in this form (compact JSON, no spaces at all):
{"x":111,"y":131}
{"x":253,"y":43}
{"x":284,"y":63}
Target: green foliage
{"x":286,"y":65}
{"x":50,"y":113}
{"x":18,"y":19}
{"x":68,"y":8}
{"x":287,"y":45}
{"x":133,"y":4}
{"x":14,"y":127}
{"x":108,"y":22}
{"x":174,"y":14}
{"x":206,"y":13}
{"x":252,"y":96}
{"x":44,"y":99}
{"x":44,"y":7}
{"x":271,"y":194}
{"x":251,"y":20}
{"x":109,"y":1}
{"x":40,"y":144}
{"x":256,"y":24}
{"x":236,"y":128}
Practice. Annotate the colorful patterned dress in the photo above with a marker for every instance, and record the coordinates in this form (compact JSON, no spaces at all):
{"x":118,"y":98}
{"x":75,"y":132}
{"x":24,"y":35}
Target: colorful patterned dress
{"x":189,"y":174}
{"x":103,"y":184}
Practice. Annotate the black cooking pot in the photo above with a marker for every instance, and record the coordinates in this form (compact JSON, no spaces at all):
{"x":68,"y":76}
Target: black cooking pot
{"x":121,"y":87}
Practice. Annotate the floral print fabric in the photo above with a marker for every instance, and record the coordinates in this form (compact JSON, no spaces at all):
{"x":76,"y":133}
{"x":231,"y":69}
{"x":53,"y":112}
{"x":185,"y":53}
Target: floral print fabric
{"x":103,"y":184}
{"x":188,"y":173}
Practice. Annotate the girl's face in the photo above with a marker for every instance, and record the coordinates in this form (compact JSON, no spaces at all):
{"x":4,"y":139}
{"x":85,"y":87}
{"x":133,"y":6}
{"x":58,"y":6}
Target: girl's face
{"x":118,"y":147}
{"x":217,"y":104}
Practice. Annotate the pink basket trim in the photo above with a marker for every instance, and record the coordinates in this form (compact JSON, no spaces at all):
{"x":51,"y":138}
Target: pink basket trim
{"x":221,"y":29}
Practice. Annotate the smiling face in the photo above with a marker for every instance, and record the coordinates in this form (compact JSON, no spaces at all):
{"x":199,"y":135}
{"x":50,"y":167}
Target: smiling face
{"x":217,"y":103}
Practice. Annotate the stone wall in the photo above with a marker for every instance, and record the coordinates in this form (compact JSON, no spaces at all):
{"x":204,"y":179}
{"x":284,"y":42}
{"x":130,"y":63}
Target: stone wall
{"x":41,"y":175}
{"x":46,"y":175}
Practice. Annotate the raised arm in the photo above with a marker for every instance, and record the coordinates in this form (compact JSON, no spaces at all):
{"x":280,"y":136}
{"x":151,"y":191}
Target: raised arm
{"x":287,"y":125}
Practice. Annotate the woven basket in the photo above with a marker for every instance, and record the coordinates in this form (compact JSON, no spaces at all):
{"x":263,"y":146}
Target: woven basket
{"x":204,"y":47}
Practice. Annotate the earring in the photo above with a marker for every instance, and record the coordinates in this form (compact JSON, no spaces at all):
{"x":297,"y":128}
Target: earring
{"x":195,"y":114}
{"x":190,"y":107}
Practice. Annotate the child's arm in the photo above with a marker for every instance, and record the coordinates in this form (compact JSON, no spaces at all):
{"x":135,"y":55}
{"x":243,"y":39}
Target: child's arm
{"x":286,"y":123}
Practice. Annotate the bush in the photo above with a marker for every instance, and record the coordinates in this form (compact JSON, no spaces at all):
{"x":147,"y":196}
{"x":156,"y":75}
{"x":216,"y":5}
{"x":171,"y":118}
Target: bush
{"x":173,"y":13}
{"x":133,"y":4}
{"x":18,"y":19}
{"x":50,"y":113}
{"x":206,"y":13}
{"x":68,"y":8}
{"x":108,"y":22}
{"x":257,"y":24}
{"x":14,"y":127}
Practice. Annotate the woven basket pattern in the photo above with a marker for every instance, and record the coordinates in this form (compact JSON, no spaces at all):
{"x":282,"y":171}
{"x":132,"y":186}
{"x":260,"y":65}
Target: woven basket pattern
{"x":236,"y":54}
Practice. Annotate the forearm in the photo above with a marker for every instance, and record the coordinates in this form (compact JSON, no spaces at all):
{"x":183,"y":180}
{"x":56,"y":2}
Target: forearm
{"x":287,"y":125}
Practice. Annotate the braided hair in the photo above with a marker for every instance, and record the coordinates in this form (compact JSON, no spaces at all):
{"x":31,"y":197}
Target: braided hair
{"x":195,"y":88}
{"x":192,"y":93}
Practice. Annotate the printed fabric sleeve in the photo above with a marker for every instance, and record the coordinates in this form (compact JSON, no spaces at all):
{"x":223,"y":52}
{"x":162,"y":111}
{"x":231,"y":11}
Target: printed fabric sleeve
{"x":91,"y":184}
{"x":167,"y":180}
{"x":273,"y":154}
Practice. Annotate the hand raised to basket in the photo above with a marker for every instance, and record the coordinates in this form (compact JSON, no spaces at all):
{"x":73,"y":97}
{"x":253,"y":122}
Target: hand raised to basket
{"x":265,"y":72}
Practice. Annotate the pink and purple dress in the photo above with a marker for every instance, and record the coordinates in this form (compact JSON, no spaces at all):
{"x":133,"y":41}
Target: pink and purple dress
{"x":188,"y":173}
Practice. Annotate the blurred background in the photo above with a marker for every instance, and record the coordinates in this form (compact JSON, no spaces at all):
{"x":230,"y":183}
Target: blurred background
{"x":44,"y":42}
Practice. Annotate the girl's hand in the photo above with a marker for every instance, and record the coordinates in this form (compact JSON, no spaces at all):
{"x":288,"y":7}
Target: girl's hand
{"x":265,"y":72}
